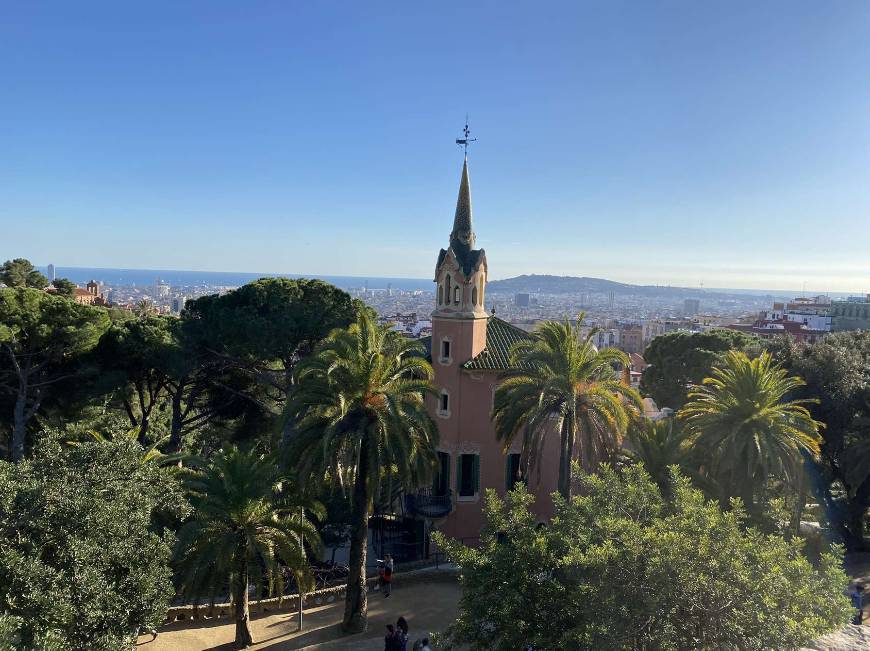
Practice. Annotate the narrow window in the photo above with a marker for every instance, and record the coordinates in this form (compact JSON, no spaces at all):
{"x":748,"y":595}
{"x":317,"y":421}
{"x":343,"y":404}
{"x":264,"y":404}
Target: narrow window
{"x":468,"y":479}
{"x":456,"y":294}
{"x":445,"y":401}
{"x":441,"y":484}
{"x":474,"y":296}
{"x":440,"y":294}
{"x":513,"y":476}
{"x":445,"y":349}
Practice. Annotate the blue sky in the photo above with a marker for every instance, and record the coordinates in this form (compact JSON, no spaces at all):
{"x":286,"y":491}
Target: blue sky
{"x":655,"y":142}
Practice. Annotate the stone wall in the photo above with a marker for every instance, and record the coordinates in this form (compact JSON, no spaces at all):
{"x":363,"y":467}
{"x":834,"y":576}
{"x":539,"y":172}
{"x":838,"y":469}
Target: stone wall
{"x":290,"y":603}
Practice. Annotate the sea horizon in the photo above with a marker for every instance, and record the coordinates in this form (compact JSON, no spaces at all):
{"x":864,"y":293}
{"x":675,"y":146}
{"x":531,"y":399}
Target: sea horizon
{"x":120,"y":276}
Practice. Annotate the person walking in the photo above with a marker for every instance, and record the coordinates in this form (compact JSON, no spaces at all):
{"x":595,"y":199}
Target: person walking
{"x":391,"y":639}
{"x":402,"y":631}
{"x":858,"y":603}
{"x":425,"y":646}
{"x":388,"y":575}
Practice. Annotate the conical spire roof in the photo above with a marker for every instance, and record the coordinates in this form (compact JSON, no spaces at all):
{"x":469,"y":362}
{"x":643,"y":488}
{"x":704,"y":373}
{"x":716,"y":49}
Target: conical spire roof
{"x":462,"y":237}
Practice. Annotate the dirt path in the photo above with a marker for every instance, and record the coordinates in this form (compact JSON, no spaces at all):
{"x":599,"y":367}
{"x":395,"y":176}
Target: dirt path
{"x":428,"y":606}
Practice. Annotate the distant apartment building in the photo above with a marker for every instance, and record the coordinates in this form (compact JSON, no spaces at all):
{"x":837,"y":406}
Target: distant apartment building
{"x":52,"y":275}
{"x":522,"y":300}
{"x":178,"y":304}
{"x":631,"y":338}
{"x":161,"y":290}
{"x":851,"y":314}
{"x":804,"y":319}
{"x":814,"y":313}
{"x":691,"y":306}
{"x":772,"y":329}
{"x":601,"y":337}
{"x":409,"y":325}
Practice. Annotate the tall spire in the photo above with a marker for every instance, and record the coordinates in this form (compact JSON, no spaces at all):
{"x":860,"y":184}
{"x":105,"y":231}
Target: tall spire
{"x":462,"y":237}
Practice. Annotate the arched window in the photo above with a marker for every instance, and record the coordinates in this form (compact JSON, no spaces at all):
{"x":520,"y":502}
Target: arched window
{"x":447,"y":285}
{"x":456,"y":294}
{"x":474,"y":296}
{"x":440,"y":294}
{"x":481,"y":289}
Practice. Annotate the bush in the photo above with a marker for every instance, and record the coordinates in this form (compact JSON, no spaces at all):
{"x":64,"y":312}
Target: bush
{"x":620,"y":568}
{"x":81,"y":564}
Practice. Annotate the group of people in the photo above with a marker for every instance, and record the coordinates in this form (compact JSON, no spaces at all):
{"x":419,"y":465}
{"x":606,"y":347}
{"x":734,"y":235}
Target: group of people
{"x":396,"y":638}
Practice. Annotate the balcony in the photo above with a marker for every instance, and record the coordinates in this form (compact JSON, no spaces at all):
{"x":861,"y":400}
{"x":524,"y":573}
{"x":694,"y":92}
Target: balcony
{"x":426,"y":505}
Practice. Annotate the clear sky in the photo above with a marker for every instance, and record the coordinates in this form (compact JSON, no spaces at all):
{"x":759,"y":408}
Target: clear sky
{"x":654,"y":142}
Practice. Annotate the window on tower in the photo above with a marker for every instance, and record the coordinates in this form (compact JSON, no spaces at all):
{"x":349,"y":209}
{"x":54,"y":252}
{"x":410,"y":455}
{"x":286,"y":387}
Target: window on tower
{"x":474,"y":296}
{"x":445,"y":350}
{"x":440,"y":294}
{"x":456,"y":294}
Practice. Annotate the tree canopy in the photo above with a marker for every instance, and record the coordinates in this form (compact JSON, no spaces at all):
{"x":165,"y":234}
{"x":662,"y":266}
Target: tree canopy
{"x":741,"y":416}
{"x":621,"y":568}
{"x":562,"y":383}
{"x":63,"y":287}
{"x":41,"y":338}
{"x":836,"y":371}
{"x":679,"y":359}
{"x":81,"y":563}
{"x":21,"y":273}
{"x":360,"y":418}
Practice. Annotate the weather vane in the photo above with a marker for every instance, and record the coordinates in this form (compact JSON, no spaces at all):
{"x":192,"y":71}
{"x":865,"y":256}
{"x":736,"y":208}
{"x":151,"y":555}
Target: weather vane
{"x":463,"y":142}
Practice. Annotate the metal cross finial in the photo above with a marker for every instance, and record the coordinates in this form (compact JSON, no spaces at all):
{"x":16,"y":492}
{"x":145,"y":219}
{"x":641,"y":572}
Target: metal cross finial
{"x":464,"y":142}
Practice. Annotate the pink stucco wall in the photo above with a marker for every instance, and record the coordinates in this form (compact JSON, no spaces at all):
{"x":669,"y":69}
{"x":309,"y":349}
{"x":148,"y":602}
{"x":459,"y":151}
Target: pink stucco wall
{"x":467,"y":428}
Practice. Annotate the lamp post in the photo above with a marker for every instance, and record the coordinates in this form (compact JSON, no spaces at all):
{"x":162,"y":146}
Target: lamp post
{"x":302,"y":550}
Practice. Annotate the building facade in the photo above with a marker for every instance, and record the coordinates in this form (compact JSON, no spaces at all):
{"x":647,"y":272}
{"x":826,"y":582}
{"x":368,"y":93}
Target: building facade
{"x":851,"y":314}
{"x":469,"y":353}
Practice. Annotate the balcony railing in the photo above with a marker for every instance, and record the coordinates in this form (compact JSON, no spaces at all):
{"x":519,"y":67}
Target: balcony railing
{"x":427,"y":505}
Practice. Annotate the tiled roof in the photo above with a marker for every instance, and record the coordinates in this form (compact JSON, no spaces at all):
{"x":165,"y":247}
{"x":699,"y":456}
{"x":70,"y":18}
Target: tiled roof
{"x":500,"y":336}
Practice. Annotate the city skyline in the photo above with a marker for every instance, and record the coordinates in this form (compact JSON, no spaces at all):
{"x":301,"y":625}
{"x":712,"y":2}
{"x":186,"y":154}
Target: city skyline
{"x":669,"y":145}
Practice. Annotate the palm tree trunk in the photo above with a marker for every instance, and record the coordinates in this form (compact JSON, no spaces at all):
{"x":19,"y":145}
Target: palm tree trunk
{"x":244,"y":638}
{"x":356,"y":602}
{"x":564,"y":486}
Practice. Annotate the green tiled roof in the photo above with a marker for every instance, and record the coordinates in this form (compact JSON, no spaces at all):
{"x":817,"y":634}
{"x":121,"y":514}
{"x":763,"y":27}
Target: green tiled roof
{"x":500,"y":336}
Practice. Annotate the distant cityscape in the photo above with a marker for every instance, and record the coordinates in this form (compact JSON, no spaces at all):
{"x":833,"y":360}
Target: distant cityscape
{"x":628,"y":320}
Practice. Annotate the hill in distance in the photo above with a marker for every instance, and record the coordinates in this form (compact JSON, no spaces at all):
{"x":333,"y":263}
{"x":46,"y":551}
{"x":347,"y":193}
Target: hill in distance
{"x":545,"y":284}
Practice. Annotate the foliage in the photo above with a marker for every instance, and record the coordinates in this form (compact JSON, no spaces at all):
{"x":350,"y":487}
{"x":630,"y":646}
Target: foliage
{"x":837,"y":374}
{"x":679,"y":359}
{"x":64,"y":287}
{"x":246,"y":528}
{"x":133,"y":356}
{"x":42,"y":337}
{"x":621,"y":568}
{"x":561,"y":380}
{"x":81,"y":564}
{"x":21,"y":273}
{"x":266,"y":326}
{"x":742,"y":418}
{"x":359,"y":418}
{"x":660,"y":445}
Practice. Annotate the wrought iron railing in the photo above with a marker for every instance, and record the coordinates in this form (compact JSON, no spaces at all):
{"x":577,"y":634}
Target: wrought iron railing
{"x":427,"y":505}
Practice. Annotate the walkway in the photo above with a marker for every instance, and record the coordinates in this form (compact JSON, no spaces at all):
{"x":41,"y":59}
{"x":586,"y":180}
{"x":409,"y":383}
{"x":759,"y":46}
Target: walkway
{"x":428,"y":606}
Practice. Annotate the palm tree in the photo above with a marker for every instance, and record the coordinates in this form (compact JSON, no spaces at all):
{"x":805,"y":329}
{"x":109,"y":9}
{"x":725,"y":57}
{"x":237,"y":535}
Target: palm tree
{"x":359,"y":419}
{"x":246,"y":528}
{"x":661,"y":444}
{"x":742,"y":418}
{"x":562,"y":381}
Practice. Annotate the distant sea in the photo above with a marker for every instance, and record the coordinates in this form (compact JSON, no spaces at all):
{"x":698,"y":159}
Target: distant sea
{"x":148,"y":277}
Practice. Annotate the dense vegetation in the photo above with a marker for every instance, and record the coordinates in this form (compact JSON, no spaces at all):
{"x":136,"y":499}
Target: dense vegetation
{"x":622,"y":568}
{"x":155,"y":458}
